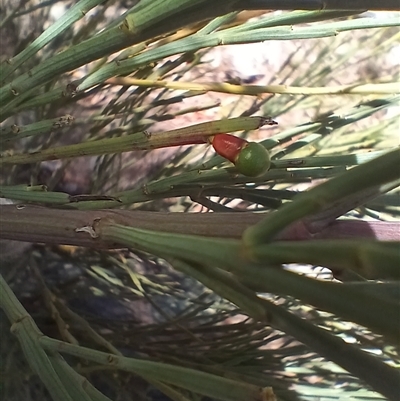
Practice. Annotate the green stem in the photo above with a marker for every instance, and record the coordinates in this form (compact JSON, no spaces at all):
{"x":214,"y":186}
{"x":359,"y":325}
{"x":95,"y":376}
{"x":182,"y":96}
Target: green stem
{"x":75,"y":13}
{"x":370,"y":259}
{"x":194,"y":134}
{"x":377,"y":172}
{"x":376,"y":373}
{"x":366,"y":307}
{"x":24,"y":328}
{"x":375,"y":259}
{"x":196,"y":381}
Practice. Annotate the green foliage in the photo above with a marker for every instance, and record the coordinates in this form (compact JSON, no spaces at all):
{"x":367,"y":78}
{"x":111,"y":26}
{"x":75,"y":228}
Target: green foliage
{"x":262,"y":324}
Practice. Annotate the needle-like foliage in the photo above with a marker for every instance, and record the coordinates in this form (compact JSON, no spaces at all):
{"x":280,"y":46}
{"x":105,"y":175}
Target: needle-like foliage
{"x":137,"y":264}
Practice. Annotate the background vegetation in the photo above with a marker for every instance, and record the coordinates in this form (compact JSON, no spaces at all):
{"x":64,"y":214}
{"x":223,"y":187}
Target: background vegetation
{"x":131,"y":272}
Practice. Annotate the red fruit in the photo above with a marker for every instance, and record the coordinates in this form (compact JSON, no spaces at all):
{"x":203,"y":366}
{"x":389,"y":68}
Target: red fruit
{"x":228,"y":146}
{"x":250,"y":158}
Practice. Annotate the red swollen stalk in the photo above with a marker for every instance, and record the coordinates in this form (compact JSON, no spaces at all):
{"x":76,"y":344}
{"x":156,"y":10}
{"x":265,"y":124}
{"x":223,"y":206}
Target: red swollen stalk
{"x":228,"y":146}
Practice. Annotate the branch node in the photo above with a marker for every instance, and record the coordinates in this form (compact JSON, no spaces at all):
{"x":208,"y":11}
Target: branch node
{"x":89,"y":229}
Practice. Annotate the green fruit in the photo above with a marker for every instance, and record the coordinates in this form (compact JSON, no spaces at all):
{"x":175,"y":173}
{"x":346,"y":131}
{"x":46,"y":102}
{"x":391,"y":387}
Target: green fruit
{"x":253,"y":160}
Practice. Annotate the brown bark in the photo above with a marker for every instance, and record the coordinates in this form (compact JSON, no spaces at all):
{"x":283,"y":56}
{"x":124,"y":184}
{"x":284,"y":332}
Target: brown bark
{"x":70,"y":227}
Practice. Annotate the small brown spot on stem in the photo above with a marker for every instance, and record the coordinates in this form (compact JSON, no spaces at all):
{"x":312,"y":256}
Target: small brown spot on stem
{"x":14,"y":129}
{"x":267,"y":121}
{"x":70,"y":90}
{"x":111,"y":359}
{"x":296,"y":162}
{"x":145,"y":190}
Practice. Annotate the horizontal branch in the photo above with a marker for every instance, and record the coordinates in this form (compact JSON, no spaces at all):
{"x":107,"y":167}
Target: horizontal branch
{"x":255,"y":90}
{"x":322,"y":4}
{"x":70,"y":227}
{"x":193,"y":134}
